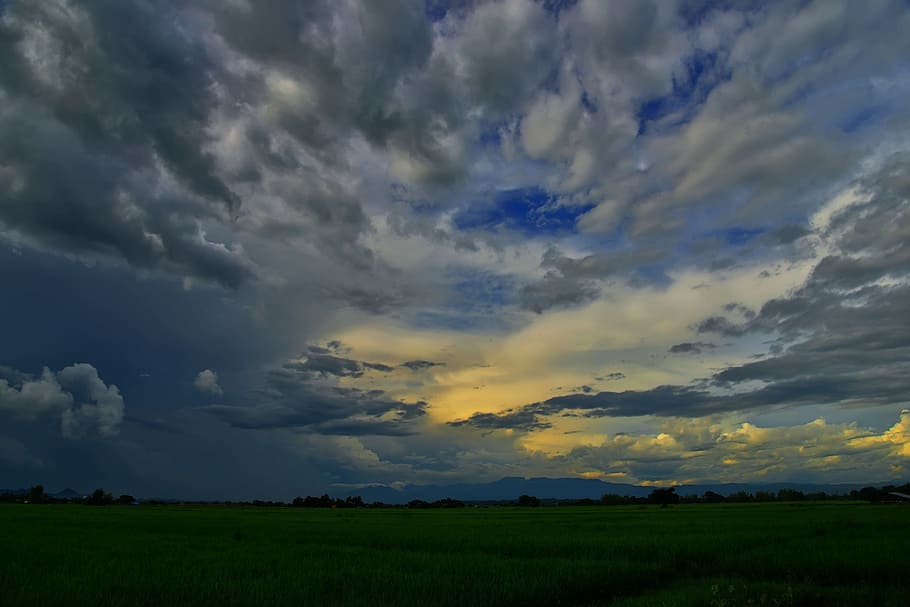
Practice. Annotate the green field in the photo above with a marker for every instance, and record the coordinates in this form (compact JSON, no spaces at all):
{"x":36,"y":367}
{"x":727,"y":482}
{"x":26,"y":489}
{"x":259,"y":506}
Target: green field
{"x":722,"y":555}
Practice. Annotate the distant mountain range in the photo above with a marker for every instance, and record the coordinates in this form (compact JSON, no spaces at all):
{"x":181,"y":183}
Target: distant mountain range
{"x":510,"y":488}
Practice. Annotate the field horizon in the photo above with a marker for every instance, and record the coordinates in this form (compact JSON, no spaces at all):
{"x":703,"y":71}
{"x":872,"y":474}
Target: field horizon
{"x":500,"y":490}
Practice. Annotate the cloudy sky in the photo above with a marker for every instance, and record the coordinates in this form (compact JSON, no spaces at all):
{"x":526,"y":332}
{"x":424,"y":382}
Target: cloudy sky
{"x":262,"y":249}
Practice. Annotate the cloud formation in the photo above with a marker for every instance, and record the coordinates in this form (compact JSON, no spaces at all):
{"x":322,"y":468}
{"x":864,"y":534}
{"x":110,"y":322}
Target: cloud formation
{"x":76,"y":394}
{"x":507,"y":230}
{"x":307,"y":393}
{"x":207,"y":381}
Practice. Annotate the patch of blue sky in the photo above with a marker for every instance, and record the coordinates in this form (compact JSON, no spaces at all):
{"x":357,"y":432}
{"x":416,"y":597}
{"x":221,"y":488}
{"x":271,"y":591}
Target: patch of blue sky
{"x":694,"y":14}
{"x":863,"y":118}
{"x":491,"y":134}
{"x":704,"y":71}
{"x":531,"y":211}
{"x":738,"y":235}
{"x":436,"y":10}
{"x":557,"y":6}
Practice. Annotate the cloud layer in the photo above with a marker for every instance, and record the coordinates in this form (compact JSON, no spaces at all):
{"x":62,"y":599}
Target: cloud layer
{"x":442,"y":240}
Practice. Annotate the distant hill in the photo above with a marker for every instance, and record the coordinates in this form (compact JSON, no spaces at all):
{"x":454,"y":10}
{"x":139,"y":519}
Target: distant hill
{"x":510,"y":488}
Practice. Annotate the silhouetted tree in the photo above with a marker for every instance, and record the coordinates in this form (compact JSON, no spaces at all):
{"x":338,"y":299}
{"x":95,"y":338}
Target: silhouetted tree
{"x":740,"y":496}
{"x":100,"y":498}
{"x":448,"y":502}
{"x":790,"y":495}
{"x":126,"y":500}
{"x":611,"y":499}
{"x":664,"y":496}
{"x":36,"y":494}
{"x":870,"y":494}
{"x":528,"y":501}
{"x":712,"y":497}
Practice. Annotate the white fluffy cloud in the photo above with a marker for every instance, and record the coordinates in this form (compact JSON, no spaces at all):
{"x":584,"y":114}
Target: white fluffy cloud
{"x":81,"y":399}
{"x":207,"y":381}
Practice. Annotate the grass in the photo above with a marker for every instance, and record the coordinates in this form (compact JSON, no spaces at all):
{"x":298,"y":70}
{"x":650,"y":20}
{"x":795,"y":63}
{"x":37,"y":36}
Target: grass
{"x":718,"y":555}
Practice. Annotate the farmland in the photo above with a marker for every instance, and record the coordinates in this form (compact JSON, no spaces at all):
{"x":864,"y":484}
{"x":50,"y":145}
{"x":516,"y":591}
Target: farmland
{"x":723,"y":555}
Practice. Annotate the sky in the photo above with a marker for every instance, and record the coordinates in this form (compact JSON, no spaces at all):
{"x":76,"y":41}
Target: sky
{"x":267,"y":249}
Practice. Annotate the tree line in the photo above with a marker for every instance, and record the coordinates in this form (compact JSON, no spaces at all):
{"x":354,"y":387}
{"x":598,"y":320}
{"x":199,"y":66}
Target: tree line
{"x":37,"y":495}
{"x":661,"y":496}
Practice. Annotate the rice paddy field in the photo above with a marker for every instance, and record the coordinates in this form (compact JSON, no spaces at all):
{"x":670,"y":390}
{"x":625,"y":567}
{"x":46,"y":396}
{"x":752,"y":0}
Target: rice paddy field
{"x":719,"y":555}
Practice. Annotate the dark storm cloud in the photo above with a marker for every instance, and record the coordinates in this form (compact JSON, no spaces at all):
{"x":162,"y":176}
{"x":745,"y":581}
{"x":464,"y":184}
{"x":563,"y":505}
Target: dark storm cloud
{"x":125,"y":76}
{"x":303,"y":393}
{"x":719,"y":324}
{"x":294,"y":402}
{"x":114,"y":144}
{"x":96,"y":94}
{"x":555,"y":291}
{"x":324,"y":361}
{"x":573,"y":281}
{"x":742,"y":309}
{"x":319,"y":363}
{"x":524,"y":419}
{"x":696,"y":347}
{"x":356,"y":60}
{"x":420,"y":365}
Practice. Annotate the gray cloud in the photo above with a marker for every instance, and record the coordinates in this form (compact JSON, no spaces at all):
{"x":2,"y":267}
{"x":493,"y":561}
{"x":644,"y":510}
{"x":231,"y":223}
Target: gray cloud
{"x":123,"y":75}
{"x":317,"y":361}
{"x":691,"y":347}
{"x":104,"y":103}
{"x":525,"y":420}
{"x":555,"y":291}
{"x":507,"y":48}
{"x":719,"y":324}
{"x":419,"y":365}
{"x":575,"y":281}
{"x":207,"y":381}
{"x":303,"y":393}
{"x":84,"y":403}
{"x":62,"y":194}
